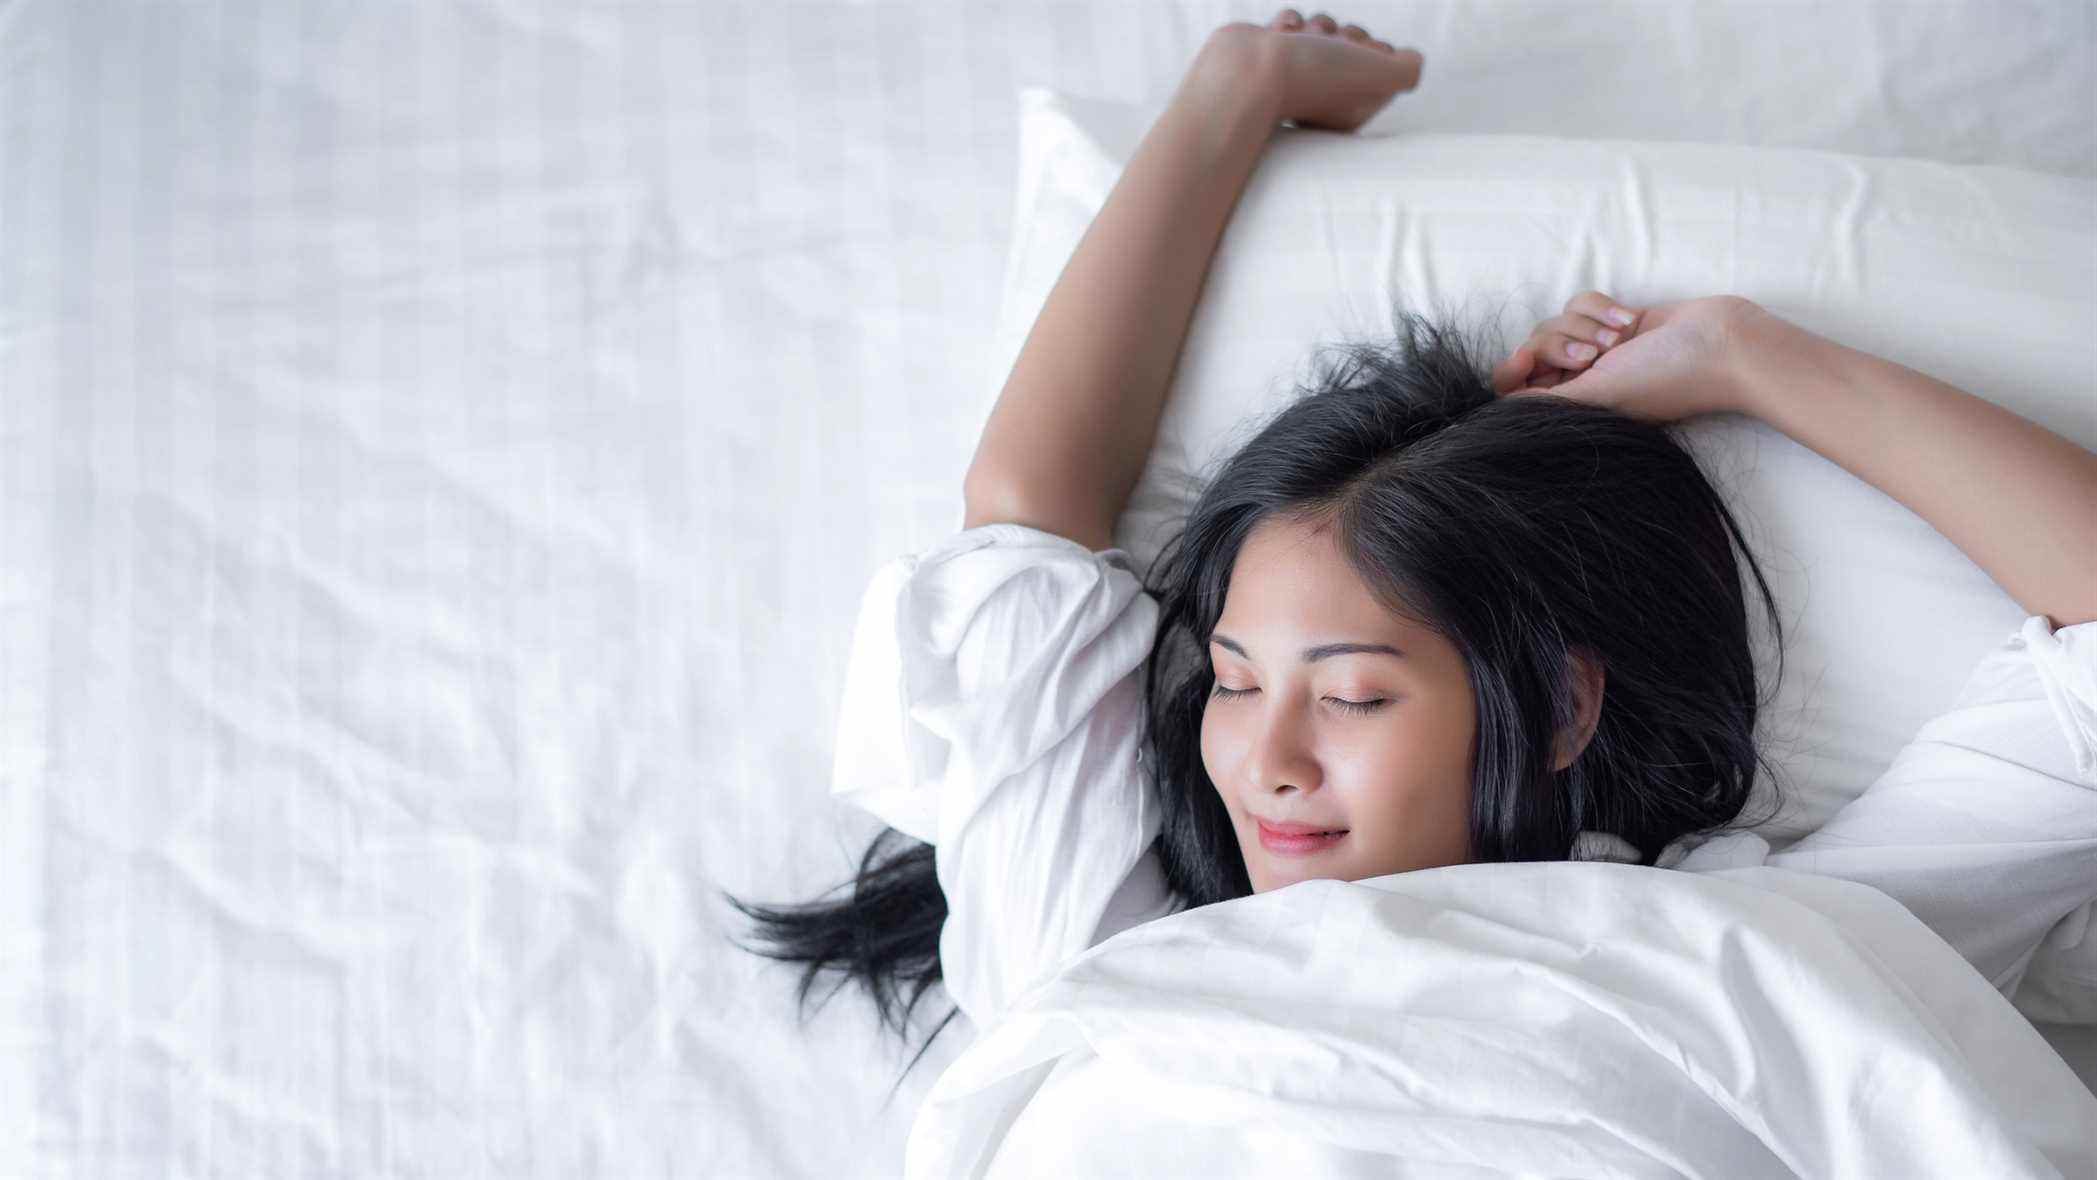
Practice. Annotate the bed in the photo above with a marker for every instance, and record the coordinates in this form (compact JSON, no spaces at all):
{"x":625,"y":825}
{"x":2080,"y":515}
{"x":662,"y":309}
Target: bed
{"x":443,"y":446}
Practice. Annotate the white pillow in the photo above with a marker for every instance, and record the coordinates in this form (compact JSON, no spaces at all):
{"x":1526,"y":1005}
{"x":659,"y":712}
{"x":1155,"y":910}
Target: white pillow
{"x":1979,"y":276}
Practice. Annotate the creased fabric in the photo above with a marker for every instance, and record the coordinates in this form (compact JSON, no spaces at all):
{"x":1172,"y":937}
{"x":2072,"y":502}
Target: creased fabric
{"x":1985,"y":825}
{"x":992,"y":708}
{"x":1516,"y":1019}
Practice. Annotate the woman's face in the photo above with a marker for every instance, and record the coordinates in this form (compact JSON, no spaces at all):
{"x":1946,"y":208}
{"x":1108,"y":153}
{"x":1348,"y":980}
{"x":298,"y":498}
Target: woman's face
{"x":1396,"y":779}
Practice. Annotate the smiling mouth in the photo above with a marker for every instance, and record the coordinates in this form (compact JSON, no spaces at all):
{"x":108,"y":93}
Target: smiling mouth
{"x":1304,"y":844}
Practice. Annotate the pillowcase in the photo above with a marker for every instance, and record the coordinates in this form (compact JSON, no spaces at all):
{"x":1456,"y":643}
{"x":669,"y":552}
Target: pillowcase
{"x":1976,"y":275}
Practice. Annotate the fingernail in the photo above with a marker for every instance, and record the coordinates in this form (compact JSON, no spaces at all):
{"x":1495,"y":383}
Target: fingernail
{"x":1582,"y":352}
{"x":1607,"y":337}
{"x":1619,"y":317}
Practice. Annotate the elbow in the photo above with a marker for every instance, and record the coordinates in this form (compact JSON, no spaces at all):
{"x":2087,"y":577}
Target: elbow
{"x":985,"y":502}
{"x":980,"y":492}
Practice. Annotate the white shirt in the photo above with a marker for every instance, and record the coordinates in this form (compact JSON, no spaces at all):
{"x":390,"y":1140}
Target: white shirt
{"x":992,"y":706}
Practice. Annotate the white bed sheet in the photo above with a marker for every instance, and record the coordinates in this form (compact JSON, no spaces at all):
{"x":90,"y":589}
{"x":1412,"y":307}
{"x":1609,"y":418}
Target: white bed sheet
{"x":441,"y":446}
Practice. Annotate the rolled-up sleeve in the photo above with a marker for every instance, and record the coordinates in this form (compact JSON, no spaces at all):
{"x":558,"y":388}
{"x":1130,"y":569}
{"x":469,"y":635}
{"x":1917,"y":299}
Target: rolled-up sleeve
{"x":992,"y":707}
{"x":1985,"y":824}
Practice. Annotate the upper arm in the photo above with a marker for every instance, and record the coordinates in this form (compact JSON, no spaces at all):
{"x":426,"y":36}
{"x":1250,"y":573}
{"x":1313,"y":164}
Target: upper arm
{"x":1080,"y":522}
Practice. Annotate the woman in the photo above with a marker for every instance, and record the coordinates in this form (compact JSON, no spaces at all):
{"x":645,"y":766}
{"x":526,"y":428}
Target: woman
{"x":1430,"y":615}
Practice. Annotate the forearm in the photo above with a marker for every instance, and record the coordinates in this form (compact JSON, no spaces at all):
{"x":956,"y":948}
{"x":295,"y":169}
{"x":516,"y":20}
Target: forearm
{"x":1072,"y":428}
{"x":2018,"y":499}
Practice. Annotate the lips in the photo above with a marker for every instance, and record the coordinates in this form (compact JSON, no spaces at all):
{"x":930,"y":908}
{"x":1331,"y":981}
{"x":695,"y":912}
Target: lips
{"x":1294,"y":829}
{"x":1304,"y":840}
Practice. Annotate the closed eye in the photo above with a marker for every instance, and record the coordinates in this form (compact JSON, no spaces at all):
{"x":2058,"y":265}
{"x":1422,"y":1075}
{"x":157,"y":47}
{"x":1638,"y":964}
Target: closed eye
{"x":1223,"y":693}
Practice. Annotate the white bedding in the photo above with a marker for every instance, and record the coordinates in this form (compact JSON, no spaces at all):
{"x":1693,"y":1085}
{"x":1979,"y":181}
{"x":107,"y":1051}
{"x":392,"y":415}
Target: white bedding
{"x":1534,"y":1019}
{"x":1883,"y":617}
{"x":993,"y":708}
{"x":441,"y":449}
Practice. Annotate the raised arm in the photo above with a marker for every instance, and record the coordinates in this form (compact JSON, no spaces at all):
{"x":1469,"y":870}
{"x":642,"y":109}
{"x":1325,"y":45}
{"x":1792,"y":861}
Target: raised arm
{"x":2018,"y":499}
{"x":1074,"y":424}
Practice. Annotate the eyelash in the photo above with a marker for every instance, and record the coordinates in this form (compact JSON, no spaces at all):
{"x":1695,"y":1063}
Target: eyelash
{"x":1344,"y":706}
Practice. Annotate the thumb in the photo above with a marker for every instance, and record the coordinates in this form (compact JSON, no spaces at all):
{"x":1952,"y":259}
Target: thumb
{"x":1513,"y":371}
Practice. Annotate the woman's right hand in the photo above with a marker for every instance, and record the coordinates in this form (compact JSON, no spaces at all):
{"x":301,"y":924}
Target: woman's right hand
{"x":1670,"y":362}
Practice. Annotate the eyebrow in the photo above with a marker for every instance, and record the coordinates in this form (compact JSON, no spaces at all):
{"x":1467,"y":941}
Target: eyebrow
{"x":1323,"y":651}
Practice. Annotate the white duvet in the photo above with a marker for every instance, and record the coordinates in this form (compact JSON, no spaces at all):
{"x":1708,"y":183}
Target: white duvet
{"x":1563,"y":1019}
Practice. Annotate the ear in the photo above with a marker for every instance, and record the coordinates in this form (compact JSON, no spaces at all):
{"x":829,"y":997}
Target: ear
{"x":1588,"y":677}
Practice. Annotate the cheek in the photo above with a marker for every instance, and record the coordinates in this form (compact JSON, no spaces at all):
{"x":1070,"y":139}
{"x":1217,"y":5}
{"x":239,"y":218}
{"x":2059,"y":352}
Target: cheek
{"x":1222,"y":742}
{"x":1217,"y":759}
{"x":1209,"y":733}
{"x":1387,"y":772}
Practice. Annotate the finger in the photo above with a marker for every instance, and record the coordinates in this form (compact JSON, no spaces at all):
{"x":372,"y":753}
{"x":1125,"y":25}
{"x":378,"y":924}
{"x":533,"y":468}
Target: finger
{"x":1356,"y":34}
{"x":1581,"y":329}
{"x":1410,"y":63}
{"x":1605,"y":311}
{"x":1568,"y":349}
{"x":1507,"y":374}
{"x":1514,"y":370}
{"x":1324,"y":23}
{"x":1527,"y":370}
{"x":1288,"y":18}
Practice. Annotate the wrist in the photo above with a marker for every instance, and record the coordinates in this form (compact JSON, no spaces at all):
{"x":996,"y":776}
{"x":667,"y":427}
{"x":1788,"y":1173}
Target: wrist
{"x":1240,"y":65}
{"x":1771,"y":359}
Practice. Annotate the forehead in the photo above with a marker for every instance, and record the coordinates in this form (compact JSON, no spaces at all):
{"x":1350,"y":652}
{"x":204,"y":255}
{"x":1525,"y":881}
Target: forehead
{"x":1292,"y":578}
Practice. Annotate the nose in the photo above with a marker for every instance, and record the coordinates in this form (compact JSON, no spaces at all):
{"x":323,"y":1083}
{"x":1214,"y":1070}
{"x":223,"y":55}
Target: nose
{"x":1280,"y":760}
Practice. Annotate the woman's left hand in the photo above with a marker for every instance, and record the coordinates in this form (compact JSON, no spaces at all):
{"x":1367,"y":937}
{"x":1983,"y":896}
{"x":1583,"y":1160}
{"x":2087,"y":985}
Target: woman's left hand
{"x":1327,"y":75}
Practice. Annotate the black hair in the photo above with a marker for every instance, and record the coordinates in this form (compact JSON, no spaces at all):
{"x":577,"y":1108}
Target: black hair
{"x":1522,"y":530}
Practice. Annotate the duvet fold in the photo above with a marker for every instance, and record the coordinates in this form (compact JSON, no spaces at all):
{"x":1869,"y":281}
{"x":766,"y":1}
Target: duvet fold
{"x":1561,"y":1018}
